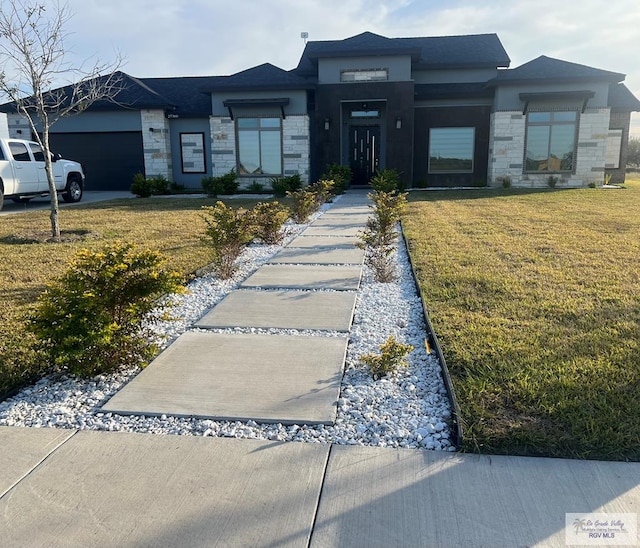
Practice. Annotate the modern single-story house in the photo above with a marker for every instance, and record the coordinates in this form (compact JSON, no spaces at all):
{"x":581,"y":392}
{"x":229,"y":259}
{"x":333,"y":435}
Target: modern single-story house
{"x":443,"y":111}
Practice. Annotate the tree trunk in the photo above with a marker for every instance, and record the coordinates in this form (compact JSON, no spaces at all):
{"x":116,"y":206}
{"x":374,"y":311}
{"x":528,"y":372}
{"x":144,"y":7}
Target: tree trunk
{"x":53,"y":193}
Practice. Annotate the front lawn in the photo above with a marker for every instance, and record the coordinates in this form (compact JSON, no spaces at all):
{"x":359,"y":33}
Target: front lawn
{"x":172,"y":226}
{"x":535,"y":297}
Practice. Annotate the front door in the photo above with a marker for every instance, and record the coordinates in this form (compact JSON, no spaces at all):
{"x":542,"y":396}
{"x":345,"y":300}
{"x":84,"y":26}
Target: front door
{"x":364,"y":153}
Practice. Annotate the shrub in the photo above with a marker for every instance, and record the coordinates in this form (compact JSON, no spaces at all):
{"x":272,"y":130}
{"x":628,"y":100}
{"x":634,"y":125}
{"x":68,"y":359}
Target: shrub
{"x":323,"y":190}
{"x":304,"y":204}
{"x":141,"y":186}
{"x":159,"y":185}
{"x":340,"y":175}
{"x":282,"y":185}
{"x":552,"y":181}
{"x":379,"y":236}
{"x":255,"y":186}
{"x":228,"y":233}
{"x":387,"y":180}
{"x":505,"y":180}
{"x":265,"y":221}
{"x":92,"y":320}
{"x":391,"y":357}
{"x":593,"y":184}
{"x":221,"y":184}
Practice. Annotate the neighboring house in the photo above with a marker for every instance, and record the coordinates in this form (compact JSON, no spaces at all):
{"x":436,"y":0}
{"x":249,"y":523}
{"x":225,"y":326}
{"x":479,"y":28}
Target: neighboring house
{"x":443,"y":111}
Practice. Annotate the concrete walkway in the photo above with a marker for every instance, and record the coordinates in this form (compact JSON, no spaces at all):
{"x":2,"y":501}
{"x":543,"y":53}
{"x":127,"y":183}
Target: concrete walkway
{"x":266,"y":378}
{"x":104,"y":489}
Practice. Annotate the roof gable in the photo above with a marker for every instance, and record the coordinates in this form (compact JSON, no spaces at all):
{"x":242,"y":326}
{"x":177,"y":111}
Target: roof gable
{"x":265,"y":76}
{"x":550,"y":69}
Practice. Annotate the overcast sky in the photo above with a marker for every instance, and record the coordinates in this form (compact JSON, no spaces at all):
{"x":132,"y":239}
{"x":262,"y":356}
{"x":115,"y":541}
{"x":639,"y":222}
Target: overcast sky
{"x":221,"y":37}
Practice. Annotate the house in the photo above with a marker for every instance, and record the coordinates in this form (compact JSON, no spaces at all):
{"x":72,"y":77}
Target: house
{"x":443,"y":111}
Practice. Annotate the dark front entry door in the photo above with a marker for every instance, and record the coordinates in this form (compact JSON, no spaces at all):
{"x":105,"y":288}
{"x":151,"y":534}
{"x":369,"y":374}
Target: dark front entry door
{"x":364,"y":153}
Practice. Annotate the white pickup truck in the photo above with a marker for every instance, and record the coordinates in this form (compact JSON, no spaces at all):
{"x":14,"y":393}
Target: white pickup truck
{"x":23,"y":175}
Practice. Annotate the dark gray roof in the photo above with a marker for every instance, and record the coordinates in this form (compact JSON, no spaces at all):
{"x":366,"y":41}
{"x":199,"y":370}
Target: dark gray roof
{"x":556,"y":70}
{"x":264,"y":77}
{"x":620,"y":97}
{"x":186,"y":95}
{"x":476,"y":50}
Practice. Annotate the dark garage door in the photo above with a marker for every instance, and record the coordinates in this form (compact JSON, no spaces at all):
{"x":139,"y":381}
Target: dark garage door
{"x":110,"y":160}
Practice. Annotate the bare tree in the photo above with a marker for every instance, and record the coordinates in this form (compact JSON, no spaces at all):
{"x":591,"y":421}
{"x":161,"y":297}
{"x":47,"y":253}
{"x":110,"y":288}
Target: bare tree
{"x":32,"y":60}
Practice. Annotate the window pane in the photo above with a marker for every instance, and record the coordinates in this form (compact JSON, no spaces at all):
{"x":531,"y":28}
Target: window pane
{"x":539,"y":117}
{"x":451,"y":149}
{"x":561,"y":150}
{"x":270,"y":122}
{"x":247,"y":123}
{"x":248,"y":152}
{"x":38,"y":153}
{"x":564,"y":116}
{"x":270,"y":150}
{"x":537,"y":148}
{"x":19,"y":152}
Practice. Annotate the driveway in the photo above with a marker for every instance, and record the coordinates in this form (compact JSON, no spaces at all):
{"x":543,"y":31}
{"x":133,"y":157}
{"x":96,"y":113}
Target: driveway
{"x":44,"y":203}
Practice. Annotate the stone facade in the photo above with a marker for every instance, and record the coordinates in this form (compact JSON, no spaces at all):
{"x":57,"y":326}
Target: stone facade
{"x":18,"y":126}
{"x":506,"y":155}
{"x":157,"y":144}
{"x":223,"y":145}
{"x":620,"y":121}
{"x":295,"y":146}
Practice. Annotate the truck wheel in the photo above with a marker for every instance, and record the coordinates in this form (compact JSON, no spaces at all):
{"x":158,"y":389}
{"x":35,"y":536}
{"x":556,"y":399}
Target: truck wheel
{"x":73,"y":190}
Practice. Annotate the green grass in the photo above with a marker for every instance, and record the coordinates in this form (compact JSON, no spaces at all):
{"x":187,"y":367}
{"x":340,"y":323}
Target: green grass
{"x":172,"y":226}
{"x":535,"y":297}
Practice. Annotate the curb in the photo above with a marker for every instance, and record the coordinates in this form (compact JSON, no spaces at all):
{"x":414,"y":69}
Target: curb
{"x":435,"y":344}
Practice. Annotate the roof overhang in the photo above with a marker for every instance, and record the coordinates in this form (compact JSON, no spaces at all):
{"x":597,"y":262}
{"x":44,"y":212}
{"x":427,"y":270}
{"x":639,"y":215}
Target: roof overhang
{"x":256,"y":103}
{"x":581,"y":95}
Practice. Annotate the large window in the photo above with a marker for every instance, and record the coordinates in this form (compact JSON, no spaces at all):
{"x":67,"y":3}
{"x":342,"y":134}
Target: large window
{"x":259,"y":146}
{"x":451,"y":150}
{"x":551,"y":141}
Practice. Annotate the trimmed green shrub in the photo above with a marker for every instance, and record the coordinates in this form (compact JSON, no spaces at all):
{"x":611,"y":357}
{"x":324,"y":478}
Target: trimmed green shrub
{"x":340,"y":175}
{"x":159,"y":185}
{"x":387,"y":180}
{"x":96,"y":317}
{"x":552,"y":181}
{"x":228,"y":232}
{"x":391,"y":357}
{"x":266,"y":220}
{"x":282,"y":185}
{"x":304,"y":204}
{"x":379,"y":236}
{"x":221,"y":184}
{"x":141,"y":186}
{"x":256,"y":187}
{"x":323,"y":190}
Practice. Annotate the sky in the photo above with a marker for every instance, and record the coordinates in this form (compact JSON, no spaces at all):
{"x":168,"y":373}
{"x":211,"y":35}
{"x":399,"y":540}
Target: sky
{"x":160,"y":38}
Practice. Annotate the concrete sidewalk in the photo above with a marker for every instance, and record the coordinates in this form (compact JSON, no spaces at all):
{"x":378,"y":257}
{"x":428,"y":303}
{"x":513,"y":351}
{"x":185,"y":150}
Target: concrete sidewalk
{"x":104,"y":489}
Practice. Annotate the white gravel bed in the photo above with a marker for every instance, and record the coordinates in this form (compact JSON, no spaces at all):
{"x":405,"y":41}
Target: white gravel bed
{"x":409,"y":409}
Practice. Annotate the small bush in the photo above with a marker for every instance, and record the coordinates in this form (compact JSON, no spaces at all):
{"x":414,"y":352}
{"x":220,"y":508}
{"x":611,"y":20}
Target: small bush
{"x":227,"y":232}
{"x":379,"y":236}
{"x":282,"y":185}
{"x":304,"y":204}
{"x":593,"y":184}
{"x":256,"y":187}
{"x":387,"y":180}
{"x":159,"y":185}
{"x":323,"y":190}
{"x":92,"y":320}
{"x":340,"y":175}
{"x":552,"y":181}
{"x":391,"y":357}
{"x":222,"y":184}
{"x":141,"y":186}
{"x":265,"y":220}
{"x":504,"y":180}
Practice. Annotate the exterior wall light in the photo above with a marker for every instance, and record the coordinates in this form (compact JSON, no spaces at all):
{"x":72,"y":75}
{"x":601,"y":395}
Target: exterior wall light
{"x":327,"y":124}
{"x":398,"y":123}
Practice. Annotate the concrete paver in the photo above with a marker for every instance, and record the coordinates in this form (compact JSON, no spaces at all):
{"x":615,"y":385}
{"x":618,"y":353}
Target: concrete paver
{"x":105,"y":489}
{"x":313,"y":230}
{"x":344,"y":278}
{"x":265,"y":378}
{"x":385,"y":497}
{"x":341,"y":219}
{"x":334,"y":242}
{"x":322,"y":310}
{"x":324,"y":255}
{"x":22,"y":449}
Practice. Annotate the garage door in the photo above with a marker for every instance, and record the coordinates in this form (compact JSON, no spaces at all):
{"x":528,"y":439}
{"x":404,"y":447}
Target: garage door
{"x":110,"y":160}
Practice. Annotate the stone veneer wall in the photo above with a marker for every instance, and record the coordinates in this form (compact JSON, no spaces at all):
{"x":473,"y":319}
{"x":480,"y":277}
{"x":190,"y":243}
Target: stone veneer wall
{"x":295,"y":148}
{"x":506,"y":153}
{"x":620,"y":120}
{"x":156,"y":144}
{"x":18,"y":126}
